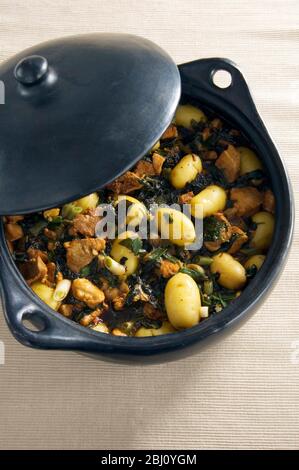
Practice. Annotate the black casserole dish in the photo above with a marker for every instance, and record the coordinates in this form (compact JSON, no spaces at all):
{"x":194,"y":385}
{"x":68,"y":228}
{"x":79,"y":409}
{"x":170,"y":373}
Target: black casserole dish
{"x":36,"y":91}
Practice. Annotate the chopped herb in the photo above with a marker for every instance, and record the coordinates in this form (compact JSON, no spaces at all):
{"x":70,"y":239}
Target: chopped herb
{"x":156,"y":254}
{"x":157,"y":190}
{"x":194,"y":273}
{"x":213,"y":229}
{"x":85,"y":271}
{"x":251,"y":271}
{"x":56,"y":221}
{"x":248,"y":177}
{"x":112,"y":280}
{"x":199,"y":183}
{"x":223,"y":298}
{"x":217,"y":176}
{"x":38,"y":227}
{"x":91,"y":270}
{"x":149,"y":323}
{"x":226,"y":245}
{"x":171,"y":258}
{"x":202,"y":260}
{"x":133,"y":244}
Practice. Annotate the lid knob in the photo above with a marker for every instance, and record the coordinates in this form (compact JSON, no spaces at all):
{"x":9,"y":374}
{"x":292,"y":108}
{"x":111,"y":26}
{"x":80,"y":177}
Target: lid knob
{"x":31,"y":70}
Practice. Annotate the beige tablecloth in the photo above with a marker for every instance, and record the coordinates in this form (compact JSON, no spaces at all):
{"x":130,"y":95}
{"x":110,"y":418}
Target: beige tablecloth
{"x":244,"y":391}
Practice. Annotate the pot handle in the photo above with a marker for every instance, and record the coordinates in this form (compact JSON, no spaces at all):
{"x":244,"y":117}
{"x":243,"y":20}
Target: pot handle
{"x":200,"y":74}
{"x":52,"y":331}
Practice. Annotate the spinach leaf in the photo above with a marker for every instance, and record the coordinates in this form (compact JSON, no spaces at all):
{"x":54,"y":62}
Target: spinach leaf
{"x":38,"y":227}
{"x":84,"y":272}
{"x":196,"y":275}
{"x":251,"y":271}
{"x":246,"y":179}
{"x":156,"y":254}
{"x":133,"y":244}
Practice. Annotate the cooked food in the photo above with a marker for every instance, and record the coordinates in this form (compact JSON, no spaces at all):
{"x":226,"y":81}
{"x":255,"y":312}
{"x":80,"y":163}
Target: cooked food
{"x":210,"y":200}
{"x":231,"y":273}
{"x":144,"y":284}
{"x":182,"y":301}
{"x":185,"y":171}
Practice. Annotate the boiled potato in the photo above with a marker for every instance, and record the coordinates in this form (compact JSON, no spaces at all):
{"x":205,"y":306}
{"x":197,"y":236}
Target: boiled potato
{"x":101,"y":327}
{"x":119,"y":252}
{"x":182,"y":301}
{"x":265,"y":227}
{"x":51,"y":213}
{"x":185,"y":171}
{"x":163,"y":330}
{"x":46,"y":294}
{"x":136,"y":210}
{"x":156,"y":146}
{"x":209,"y":201}
{"x":87,"y":202}
{"x":186,"y":113}
{"x":255,"y":260}
{"x":232,"y":273}
{"x":248,"y":161}
{"x":143,"y":332}
{"x":175,"y":226}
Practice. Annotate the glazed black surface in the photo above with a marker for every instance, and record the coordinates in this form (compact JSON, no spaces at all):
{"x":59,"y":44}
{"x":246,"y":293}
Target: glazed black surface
{"x":234,"y":104}
{"x":79,"y":112}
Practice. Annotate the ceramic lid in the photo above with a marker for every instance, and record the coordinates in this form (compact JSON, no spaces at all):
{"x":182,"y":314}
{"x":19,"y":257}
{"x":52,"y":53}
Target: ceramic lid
{"x":78,"y":112}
